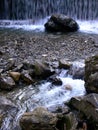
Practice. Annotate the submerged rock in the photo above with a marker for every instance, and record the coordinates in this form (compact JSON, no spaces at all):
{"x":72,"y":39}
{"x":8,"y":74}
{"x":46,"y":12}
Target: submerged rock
{"x":68,"y":87}
{"x":91,"y":74}
{"x":61,"y":23}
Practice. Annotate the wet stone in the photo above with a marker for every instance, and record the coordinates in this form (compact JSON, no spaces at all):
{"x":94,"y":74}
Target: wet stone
{"x":6,"y":83}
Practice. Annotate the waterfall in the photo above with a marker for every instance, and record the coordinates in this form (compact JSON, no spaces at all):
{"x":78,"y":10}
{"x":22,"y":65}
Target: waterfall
{"x":37,"y":9}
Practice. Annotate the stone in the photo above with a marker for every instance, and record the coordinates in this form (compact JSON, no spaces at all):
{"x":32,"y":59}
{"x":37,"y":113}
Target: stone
{"x":68,"y":87}
{"x":15,"y":76}
{"x":18,"y":68}
{"x":6,"y":104}
{"x":61,"y":23}
{"x":10,"y":64}
{"x":26,"y":77}
{"x":39,"y":119}
{"x":6,"y":83}
{"x":91,"y":74}
{"x":56,"y":81}
{"x":28,"y":65}
{"x":1,"y":70}
{"x":62,"y":109}
{"x":42,"y":70}
{"x":1,"y":119}
{"x":70,"y":121}
{"x":77,"y":70}
{"x":65,"y":64}
{"x":88,"y":106}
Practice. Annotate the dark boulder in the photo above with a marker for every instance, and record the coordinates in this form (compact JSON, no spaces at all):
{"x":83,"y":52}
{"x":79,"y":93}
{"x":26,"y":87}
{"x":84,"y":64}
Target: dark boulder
{"x":56,"y":81}
{"x":61,"y":23}
{"x":87,"y":106}
{"x":91,"y":74}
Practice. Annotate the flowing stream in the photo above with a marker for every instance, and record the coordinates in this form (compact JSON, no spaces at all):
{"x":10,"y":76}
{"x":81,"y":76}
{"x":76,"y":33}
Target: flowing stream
{"x":31,"y":15}
{"x":43,"y":94}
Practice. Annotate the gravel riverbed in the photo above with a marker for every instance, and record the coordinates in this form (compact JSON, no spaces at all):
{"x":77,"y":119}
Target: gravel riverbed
{"x":29,"y":45}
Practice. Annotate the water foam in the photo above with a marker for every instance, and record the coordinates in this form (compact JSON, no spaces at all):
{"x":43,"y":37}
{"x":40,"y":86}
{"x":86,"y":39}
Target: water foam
{"x":85,"y":26}
{"x":88,"y":26}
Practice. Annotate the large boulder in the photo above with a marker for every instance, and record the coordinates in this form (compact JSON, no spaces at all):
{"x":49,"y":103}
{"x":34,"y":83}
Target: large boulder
{"x":87,"y":106}
{"x":91,"y":74}
{"x":39,"y":119}
{"x":61,"y":23}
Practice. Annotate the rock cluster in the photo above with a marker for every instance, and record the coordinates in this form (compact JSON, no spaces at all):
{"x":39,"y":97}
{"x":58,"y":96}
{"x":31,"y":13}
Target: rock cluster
{"x":78,"y":113}
{"x":82,"y":112}
{"x":26,"y":73}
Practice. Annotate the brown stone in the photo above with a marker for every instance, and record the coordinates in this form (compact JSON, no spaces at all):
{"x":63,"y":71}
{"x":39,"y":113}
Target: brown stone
{"x":15,"y":75}
{"x":68,"y":87}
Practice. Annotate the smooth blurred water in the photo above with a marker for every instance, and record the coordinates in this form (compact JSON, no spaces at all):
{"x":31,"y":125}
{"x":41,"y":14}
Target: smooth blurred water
{"x":37,"y":9}
{"x":90,"y":26}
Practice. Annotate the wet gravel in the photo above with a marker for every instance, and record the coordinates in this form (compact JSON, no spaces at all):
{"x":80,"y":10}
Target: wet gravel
{"x":29,"y":45}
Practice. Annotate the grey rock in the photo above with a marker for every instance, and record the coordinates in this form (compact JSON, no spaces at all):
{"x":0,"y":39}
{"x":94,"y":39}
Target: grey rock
{"x":6,"y":83}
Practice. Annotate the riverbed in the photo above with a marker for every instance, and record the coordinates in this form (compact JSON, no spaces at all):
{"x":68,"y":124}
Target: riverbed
{"x":21,"y":45}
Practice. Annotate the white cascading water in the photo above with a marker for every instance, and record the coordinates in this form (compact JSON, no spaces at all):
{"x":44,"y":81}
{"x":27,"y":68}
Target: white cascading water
{"x":45,"y":94}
